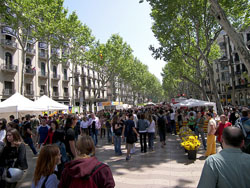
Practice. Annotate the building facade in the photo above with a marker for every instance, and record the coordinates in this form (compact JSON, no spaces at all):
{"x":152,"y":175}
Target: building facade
{"x":67,"y":83}
{"x":231,"y":75}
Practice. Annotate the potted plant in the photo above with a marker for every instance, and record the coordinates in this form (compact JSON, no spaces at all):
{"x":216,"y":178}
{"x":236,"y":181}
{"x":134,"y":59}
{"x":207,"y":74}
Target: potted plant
{"x":191,"y":144}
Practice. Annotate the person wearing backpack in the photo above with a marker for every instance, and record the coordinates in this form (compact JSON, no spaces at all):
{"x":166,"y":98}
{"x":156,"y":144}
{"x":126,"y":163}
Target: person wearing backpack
{"x":85,"y":171}
{"x":162,"y":128}
{"x":143,"y":124}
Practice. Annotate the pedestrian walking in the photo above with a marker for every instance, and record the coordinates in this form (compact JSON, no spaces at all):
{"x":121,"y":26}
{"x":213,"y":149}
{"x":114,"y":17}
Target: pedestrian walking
{"x":151,"y":132}
{"x":131,"y":134}
{"x":143,"y":124}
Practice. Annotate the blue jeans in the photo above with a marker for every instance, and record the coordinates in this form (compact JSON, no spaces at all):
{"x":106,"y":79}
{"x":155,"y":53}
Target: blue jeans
{"x":151,"y":140}
{"x":29,"y":141}
{"x":109,"y":133}
{"x":94,"y":136}
{"x":199,"y":131}
{"x":117,"y":144}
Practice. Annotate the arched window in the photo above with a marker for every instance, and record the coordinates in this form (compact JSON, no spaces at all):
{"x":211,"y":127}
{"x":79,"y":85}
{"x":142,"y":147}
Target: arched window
{"x":8,"y":58}
{"x":43,"y":70}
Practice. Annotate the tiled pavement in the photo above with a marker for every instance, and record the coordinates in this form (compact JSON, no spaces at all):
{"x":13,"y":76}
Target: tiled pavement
{"x":166,"y":167}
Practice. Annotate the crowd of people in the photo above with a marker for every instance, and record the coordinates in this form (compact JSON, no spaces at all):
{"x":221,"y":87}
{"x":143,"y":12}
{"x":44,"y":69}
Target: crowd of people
{"x":67,"y":142}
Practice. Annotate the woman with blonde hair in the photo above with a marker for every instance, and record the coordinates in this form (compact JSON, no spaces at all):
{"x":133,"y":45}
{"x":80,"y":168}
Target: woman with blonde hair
{"x":85,"y":170}
{"x":44,"y":176}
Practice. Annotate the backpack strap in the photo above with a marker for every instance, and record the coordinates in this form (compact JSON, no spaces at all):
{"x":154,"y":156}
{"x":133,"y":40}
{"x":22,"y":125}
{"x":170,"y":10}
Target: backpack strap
{"x":94,"y":171}
{"x":44,"y":182}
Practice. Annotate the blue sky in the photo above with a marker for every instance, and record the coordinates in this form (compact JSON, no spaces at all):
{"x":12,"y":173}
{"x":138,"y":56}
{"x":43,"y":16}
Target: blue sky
{"x":128,"y":18}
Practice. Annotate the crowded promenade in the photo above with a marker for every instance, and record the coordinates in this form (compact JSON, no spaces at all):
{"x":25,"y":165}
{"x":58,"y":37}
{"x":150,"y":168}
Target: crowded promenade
{"x":121,"y":148}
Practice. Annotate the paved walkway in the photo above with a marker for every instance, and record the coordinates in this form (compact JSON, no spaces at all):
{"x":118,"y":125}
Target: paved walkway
{"x":166,"y":167}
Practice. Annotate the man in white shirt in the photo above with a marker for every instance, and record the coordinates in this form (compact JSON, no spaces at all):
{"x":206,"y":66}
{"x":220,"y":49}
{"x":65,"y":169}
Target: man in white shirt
{"x":95,"y":125}
{"x":211,"y":129}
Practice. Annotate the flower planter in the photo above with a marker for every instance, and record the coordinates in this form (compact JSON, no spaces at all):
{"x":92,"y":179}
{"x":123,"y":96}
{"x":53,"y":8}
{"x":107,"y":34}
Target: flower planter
{"x":192,"y":154}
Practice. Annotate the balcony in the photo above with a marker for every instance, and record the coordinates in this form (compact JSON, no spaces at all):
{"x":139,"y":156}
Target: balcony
{"x":42,"y":92}
{"x":9,"y":68}
{"x":66,"y":94}
{"x":8,"y":92}
{"x":77,"y":84}
{"x":42,"y":55}
{"x":8,"y":30}
{"x":31,"y":52}
{"x":29,"y":93}
{"x":55,"y":77}
{"x":65,"y":79}
{"x":85,"y":86}
{"x":55,"y":94}
{"x":9,"y":44}
{"x":77,"y":72}
{"x":43,"y":75}
{"x":90,"y":75}
{"x":29,"y":72}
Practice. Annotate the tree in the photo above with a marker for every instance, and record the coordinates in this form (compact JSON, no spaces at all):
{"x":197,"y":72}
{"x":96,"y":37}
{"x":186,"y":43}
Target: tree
{"x":76,"y":39}
{"x":51,"y":14}
{"x":110,"y":59}
{"x":187,"y":27}
{"x":23,"y":17}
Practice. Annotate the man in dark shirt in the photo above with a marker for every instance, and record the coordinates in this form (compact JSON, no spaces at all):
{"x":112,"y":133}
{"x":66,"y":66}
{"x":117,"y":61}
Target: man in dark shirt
{"x":130,"y":133}
{"x":28,"y":134}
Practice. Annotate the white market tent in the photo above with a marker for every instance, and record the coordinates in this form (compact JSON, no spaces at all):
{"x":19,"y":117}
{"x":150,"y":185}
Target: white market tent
{"x":18,"y":103}
{"x":48,"y":104}
{"x":194,"y":103}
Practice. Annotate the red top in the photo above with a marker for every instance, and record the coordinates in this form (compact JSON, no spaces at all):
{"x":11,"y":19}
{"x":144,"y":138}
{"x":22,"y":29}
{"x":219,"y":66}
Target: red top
{"x":220,"y":129}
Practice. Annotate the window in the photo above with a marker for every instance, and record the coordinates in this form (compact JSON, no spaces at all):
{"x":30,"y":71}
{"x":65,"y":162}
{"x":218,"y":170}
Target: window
{"x":43,"y":72}
{"x":66,"y":90}
{"x":28,"y":63}
{"x":43,"y":88}
{"x":237,"y":68}
{"x":28,"y":88}
{"x":248,"y":36}
{"x":55,"y":90}
{"x":54,"y":71}
{"x":8,"y":37}
{"x":8,"y":58}
{"x":8,"y":85}
{"x":65,"y":74}
{"x":236,"y":57}
{"x":244,"y":69}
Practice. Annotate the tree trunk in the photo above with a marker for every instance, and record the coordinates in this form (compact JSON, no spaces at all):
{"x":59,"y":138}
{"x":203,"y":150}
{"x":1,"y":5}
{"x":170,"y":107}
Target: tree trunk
{"x":73,"y":79}
{"x":235,"y":37}
{"x":214,"y":88}
{"x":48,"y":68}
{"x":232,"y":72}
{"x":22,"y":76}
